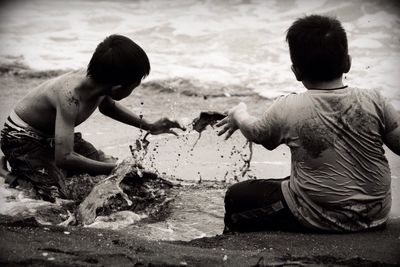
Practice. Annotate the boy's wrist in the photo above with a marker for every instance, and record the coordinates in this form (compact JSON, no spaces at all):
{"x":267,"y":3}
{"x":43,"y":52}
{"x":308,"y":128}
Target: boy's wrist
{"x":239,"y":115}
{"x":150,"y":126}
{"x":145,"y":125}
{"x":238,"y":111}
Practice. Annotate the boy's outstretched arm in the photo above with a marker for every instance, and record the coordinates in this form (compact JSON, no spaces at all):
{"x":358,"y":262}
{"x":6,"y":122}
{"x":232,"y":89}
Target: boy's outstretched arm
{"x":265,"y":131}
{"x":65,"y":157}
{"x":239,"y":118}
{"x":112,"y":109}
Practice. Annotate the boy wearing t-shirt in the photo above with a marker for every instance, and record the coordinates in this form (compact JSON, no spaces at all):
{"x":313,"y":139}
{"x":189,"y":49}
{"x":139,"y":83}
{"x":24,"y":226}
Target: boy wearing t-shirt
{"x":340,"y":177}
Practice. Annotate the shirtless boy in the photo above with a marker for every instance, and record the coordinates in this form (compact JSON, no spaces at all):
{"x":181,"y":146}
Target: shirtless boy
{"x":38,"y":138}
{"x":340,"y":177}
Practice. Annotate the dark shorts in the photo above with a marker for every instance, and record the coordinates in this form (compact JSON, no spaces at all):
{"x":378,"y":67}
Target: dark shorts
{"x":32,"y":162}
{"x":258,"y":205}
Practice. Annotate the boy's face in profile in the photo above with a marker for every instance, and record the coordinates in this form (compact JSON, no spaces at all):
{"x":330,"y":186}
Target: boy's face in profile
{"x":119,"y":92}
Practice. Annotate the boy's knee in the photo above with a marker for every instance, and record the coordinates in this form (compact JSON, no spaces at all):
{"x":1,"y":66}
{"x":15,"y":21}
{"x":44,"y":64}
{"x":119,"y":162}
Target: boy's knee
{"x":230,"y":192}
{"x":235,"y":192}
{"x":236,"y":188}
{"x":103,"y":157}
{"x":229,"y":198}
{"x":84,"y":148}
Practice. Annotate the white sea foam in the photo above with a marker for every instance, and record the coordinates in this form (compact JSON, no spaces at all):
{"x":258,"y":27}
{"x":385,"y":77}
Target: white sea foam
{"x":229,"y":42}
{"x":117,"y":220}
{"x":14,"y":202}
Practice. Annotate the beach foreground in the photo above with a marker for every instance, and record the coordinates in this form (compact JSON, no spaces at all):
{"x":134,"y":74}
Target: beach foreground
{"x":26,"y":242}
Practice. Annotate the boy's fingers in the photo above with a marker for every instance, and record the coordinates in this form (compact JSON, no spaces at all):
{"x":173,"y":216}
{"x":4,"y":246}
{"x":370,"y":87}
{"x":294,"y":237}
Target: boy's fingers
{"x":222,"y":122}
{"x":229,"y":133}
{"x":181,"y":126}
{"x":176,"y":124}
{"x":224,"y":129}
{"x":173,"y":132}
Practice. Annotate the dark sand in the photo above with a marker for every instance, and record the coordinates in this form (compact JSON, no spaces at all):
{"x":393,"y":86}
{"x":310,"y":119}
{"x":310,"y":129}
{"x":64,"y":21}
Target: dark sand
{"x":24,"y":242}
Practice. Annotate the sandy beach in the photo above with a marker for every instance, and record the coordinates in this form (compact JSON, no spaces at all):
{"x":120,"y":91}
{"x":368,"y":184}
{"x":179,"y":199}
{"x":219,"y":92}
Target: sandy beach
{"x":211,"y":166}
{"x":24,"y":243}
{"x":205,"y":56}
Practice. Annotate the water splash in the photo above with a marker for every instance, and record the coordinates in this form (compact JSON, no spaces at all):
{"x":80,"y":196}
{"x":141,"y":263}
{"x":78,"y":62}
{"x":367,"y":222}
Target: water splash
{"x":105,"y":190}
{"x":246,"y":167}
{"x":140,"y":151}
{"x":134,"y":197}
{"x":19,"y":203}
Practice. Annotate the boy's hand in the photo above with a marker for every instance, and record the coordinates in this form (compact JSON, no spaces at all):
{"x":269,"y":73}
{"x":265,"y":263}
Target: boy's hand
{"x":164,"y":125}
{"x":229,"y":124}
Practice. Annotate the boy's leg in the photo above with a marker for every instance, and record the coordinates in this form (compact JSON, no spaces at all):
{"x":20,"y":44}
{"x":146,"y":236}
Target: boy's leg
{"x":46,"y":178}
{"x":32,"y":164}
{"x":5,"y":173}
{"x":258,"y":205}
{"x":86,"y":149}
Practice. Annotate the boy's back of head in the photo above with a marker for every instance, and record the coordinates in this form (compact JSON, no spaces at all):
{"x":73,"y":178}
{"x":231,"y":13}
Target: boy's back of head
{"x":118,"y":61}
{"x":318,"y":48}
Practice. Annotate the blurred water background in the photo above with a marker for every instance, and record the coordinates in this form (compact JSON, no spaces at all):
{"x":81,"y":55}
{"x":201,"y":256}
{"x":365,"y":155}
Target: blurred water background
{"x":233,"y":43}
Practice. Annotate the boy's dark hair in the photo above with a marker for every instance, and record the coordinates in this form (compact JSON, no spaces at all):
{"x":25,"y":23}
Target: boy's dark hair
{"x":318,"y":47}
{"x":118,"y":61}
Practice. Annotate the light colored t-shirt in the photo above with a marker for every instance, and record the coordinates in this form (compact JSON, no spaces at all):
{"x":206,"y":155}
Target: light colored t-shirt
{"x":340,"y":177}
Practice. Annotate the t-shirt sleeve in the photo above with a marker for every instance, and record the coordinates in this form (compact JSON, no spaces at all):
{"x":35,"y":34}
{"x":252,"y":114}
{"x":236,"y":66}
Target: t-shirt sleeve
{"x":391,"y":117}
{"x":268,"y":130}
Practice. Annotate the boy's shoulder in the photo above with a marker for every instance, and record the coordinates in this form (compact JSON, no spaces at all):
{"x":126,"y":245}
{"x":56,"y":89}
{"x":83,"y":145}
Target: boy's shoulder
{"x":368,"y":95}
{"x":293,"y":103}
{"x":303,"y":98}
{"x":289,"y":99}
{"x":59,"y":89}
{"x":283,"y":105}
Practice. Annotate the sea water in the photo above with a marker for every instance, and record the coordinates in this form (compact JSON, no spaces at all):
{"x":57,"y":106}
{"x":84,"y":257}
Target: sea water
{"x":236,"y":42}
{"x":232,"y":44}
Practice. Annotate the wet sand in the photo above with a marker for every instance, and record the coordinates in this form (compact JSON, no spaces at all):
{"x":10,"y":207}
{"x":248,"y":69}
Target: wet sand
{"x":24,"y":242}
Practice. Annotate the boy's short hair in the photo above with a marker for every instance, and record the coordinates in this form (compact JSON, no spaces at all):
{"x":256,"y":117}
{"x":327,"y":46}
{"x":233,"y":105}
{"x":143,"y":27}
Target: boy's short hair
{"x":318,"y":47}
{"x":118,"y":61}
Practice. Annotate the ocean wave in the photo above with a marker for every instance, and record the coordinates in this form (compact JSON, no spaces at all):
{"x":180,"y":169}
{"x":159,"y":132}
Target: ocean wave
{"x":20,"y":69}
{"x":196,"y":88}
{"x":184,"y":86}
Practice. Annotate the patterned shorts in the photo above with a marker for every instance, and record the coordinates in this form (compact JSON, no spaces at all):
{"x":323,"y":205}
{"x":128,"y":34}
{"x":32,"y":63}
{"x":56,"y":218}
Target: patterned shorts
{"x":31,"y":157}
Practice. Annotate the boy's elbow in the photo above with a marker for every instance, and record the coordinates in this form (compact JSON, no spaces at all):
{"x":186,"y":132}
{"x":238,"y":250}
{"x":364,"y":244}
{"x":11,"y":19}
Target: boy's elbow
{"x":107,"y":107}
{"x":251,"y":134}
{"x":269,"y":146}
{"x":260,"y":139}
{"x":104,"y":110}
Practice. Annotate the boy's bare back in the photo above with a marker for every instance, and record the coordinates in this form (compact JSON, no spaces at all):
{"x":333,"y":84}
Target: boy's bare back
{"x":71,"y":92}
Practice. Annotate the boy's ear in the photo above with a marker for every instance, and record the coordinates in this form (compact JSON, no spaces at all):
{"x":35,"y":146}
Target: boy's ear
{"x":348,"y":64}
{"x":297,"y":73}
{"x":111,"y":89}
{"x":115,"y":88}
